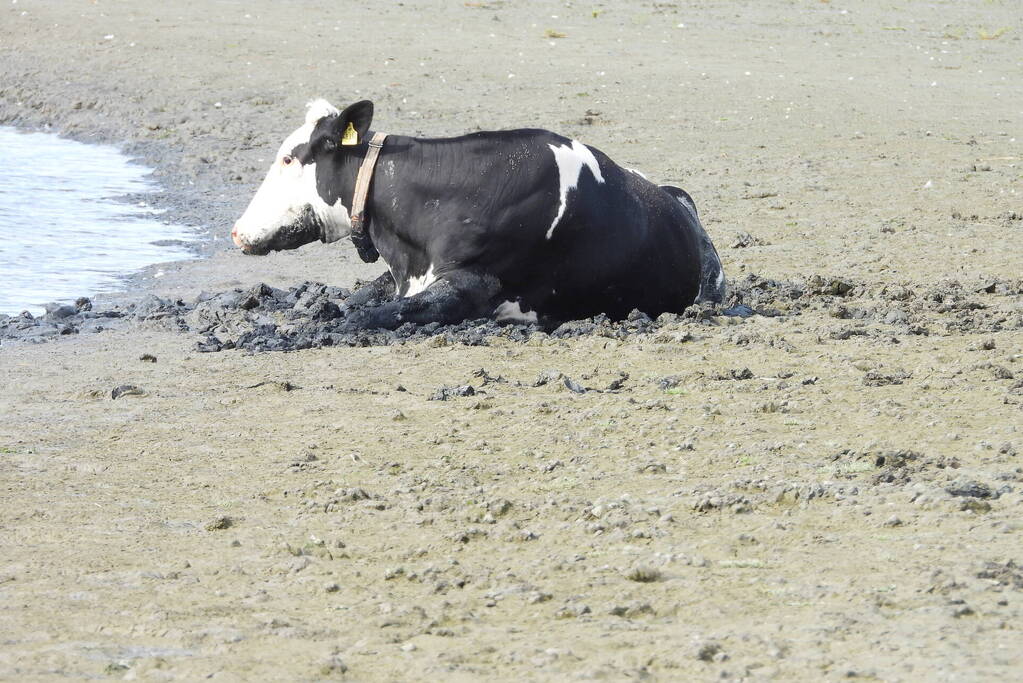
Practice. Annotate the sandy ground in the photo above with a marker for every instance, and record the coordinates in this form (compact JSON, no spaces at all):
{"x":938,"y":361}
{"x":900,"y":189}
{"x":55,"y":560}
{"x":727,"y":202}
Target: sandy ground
{"x":850,"y":506}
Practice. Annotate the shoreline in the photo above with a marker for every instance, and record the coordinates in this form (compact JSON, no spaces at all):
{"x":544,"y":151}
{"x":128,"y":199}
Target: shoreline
{"x":157,"y":202}
{"x":830,"y":489}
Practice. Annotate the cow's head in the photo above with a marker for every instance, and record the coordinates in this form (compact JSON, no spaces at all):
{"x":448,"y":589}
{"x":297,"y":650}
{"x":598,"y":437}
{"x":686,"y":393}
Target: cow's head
{"x":298,"y":203}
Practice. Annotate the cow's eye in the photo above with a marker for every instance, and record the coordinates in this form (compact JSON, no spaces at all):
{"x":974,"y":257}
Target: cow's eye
{"x":287,"y":160}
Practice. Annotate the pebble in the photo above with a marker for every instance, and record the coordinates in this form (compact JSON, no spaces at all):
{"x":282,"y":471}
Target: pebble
{"x":444,"y":393}
{"x":126,"y":390}
{"x":56,"y":311}
{"x":632,"y":610}
{"x":974,"y":505}
{"x":218,"y":523}
{"x":642,"y":574}
{"x":969,"y":489}
{"x":572,"y":610}
{"x":574,"y":386}
{"x":710,"y":652}
{"x":334,"y":665}
{"x":536,"y":597}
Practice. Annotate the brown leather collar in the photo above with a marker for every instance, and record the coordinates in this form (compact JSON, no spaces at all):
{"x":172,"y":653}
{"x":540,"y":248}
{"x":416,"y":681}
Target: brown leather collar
{"x":360,"y":236}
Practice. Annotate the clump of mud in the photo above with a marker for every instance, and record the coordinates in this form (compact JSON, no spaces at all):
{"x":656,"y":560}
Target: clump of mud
{"x":312,"y":315}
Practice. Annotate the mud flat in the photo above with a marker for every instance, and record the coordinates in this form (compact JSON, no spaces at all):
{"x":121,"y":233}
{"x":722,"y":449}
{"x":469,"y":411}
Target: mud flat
{"x":830,"y":488}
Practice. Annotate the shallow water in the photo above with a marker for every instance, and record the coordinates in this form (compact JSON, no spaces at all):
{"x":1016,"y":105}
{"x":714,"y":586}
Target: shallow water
{"x":65,"y":228}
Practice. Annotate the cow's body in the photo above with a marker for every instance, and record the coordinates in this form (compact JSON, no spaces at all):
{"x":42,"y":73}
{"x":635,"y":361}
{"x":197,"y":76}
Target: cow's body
{"x":517,"y":225}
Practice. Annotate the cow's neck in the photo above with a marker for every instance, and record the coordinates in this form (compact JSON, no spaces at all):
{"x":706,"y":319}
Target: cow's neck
{"x":399,"y":244}
{"x":339,"y":184}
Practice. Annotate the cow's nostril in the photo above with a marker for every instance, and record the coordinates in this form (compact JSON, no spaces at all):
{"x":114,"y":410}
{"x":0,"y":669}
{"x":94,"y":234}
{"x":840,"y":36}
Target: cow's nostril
{"x":237,"y":240}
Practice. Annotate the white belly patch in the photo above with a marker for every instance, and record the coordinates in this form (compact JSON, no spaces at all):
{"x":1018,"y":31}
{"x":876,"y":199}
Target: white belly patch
{"x":417,"y":285}
{"x":512,"y":311}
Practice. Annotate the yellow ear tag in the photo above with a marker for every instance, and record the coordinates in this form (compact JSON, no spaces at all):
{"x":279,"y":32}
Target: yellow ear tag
{"x":350,"y":137}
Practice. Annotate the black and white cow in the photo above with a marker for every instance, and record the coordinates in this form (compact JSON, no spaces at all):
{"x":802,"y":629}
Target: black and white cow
{"x":522,"y":225}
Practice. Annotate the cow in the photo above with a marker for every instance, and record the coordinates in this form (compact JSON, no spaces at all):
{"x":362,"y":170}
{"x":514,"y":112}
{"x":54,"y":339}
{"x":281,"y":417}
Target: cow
{"x":521,"y":226}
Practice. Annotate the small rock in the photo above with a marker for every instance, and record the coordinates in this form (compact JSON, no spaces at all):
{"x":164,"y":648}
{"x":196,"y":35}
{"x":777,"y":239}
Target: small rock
{"x":961,"y":611}
{"x":334,"y":665}
{"x":1007,"y":574}
{"x":499,"y":507}
{"x":969,"y":489}
{"x":837,"y":287}
{"x":893,"y":521}
{"x":669,"y":382}
{"x":708,"y":652}
{"x":218,"y":523}
{"x":1002,"y":372}
{"x":331,"y":587}
{"x":744,"y":239}
{"x":147,"y":358}
{"x":444,"y":393}
{"x":126,"y":390}
{"x":55,"y":311}
{"x":574,"y":386}
{"x":644,"y":574}
{"x":573,"y":610}
{"x":617,"y":384}
{"x":974,"y":505}
{"x":896,"y":317}
{"x":546,"y":377}
{"x":878,"y":378}
{"x":632,"y":610}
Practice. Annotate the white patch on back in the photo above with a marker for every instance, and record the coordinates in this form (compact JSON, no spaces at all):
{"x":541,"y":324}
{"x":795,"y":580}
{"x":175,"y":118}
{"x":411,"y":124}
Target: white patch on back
{"x":512,"y":310}
{"x":419,"y":284}
{"x":570,"y":160}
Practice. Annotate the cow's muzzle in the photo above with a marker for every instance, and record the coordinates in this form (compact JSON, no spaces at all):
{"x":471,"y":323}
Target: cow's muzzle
{"x":246,"y":248}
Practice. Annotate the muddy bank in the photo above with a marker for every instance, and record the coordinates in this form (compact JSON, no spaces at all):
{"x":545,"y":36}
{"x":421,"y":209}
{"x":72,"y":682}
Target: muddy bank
{"x":313,"y":315}
{"x":828,"y":488}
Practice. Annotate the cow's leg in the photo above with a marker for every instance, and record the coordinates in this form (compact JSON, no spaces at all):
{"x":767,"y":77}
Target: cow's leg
{"x":377,"y":291}
{"x":456,"y":296}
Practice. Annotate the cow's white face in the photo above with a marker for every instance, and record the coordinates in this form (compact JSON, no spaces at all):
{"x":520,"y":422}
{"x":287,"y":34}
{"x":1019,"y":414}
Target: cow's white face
{"x":287,"y":211}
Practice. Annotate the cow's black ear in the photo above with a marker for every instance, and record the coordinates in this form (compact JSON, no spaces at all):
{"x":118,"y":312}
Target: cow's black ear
{"x":353,"y":123}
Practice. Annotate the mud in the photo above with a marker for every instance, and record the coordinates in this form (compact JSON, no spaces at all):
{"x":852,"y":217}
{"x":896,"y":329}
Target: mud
{"x":824,"y":484}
